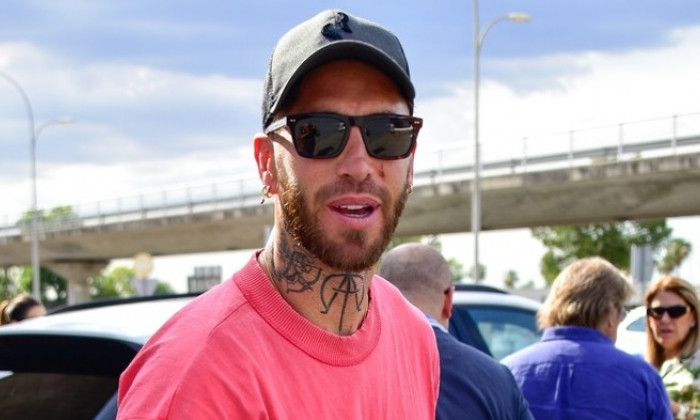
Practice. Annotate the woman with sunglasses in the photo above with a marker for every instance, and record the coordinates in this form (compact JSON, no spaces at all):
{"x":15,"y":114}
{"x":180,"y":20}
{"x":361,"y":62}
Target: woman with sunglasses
{"x":672,"y":335}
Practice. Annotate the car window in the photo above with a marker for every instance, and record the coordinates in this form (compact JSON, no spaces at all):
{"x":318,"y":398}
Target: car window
{"x":639,"y":324}
{"x":60,"y":377}
{"x":26,"y":395}
{"x":505,"y":330}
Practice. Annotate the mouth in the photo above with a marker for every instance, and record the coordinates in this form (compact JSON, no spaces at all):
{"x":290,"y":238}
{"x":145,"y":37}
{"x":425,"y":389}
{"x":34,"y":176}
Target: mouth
{"x":665,"y":331}
{"x":356,"y":211}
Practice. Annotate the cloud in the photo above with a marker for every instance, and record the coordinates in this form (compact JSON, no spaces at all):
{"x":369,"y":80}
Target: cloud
{"x":123,"y":111}
{"x":588,"y":90}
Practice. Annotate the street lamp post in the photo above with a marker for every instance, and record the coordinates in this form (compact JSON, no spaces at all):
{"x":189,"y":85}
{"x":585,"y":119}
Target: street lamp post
{"x":36,"y":267}
{"x":34,"y":133}
{"x":479,"y":35}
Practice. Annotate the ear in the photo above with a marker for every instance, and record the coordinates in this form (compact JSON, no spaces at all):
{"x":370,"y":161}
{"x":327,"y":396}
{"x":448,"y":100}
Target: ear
{"x":265,"y":159}
{"x":448,"y":303}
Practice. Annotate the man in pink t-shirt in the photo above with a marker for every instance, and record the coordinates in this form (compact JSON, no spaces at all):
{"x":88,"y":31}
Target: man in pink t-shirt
{"x":305,"y":329}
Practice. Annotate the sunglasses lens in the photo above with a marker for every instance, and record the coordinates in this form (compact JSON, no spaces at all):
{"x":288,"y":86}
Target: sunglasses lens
{"x":676,"y":311}
{"x":672,"y":311}
{"x":388,"y":137}
{"x":319,"y":136}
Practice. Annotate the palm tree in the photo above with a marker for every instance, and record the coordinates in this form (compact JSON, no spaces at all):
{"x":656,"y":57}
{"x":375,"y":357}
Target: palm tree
{"x":677,"y":250}
{"x":510,"y":279}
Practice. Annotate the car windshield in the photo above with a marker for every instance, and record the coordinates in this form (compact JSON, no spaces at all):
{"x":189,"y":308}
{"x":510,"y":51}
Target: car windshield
{"x":503,"y":330}
{"x":639,"y":325}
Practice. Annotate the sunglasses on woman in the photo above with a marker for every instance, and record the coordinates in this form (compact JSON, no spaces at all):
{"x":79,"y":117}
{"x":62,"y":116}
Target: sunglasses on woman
{"x":673,"y":312}
{"x":323,"y":135}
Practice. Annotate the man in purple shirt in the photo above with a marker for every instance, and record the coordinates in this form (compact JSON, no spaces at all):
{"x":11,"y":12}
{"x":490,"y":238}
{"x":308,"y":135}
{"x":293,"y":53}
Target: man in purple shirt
{"x":575,"y":371}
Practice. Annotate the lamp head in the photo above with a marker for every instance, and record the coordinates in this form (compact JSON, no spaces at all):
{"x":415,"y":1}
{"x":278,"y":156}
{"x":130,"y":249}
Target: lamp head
{"x":519,"y":17}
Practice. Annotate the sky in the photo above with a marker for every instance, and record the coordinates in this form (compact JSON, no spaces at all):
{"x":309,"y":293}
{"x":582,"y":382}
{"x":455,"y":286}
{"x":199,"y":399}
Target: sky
{"x":168,"y":94}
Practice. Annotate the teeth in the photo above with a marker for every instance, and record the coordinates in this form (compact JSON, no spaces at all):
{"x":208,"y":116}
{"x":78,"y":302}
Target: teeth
{"x":352,"y":207}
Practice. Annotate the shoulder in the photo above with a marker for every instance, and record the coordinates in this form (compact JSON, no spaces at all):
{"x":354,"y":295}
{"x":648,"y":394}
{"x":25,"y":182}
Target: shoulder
{"x":630,"y":362}
{"x":467,"y":360}
{"x":472,"y":381}
{"x":167,"y":356}
{"x":692,"y":361}
{"x":529,"y":354}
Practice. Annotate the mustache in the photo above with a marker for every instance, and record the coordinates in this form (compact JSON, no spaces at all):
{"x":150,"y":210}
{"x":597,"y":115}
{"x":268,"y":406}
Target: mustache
{"x":347,"y":186}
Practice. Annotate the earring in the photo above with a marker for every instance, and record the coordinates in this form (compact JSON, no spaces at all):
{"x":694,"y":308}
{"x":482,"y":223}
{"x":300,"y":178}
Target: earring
{"x":265,"y":193}
{"x":409,"y":188}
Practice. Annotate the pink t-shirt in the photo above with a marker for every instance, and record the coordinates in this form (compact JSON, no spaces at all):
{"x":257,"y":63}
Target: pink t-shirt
{"x":240,"y":351}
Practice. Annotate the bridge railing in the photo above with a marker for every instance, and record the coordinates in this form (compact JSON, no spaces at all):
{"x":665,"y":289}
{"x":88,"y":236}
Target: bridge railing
{"x":631,"y":140}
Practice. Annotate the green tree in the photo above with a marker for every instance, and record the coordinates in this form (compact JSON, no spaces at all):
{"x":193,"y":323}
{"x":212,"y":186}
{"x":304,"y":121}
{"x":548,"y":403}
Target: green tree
{"x":163,"y":288}
{"x":611,"y":241}
{"x":115,"y":284}
{"x":58,"y":215}
{"x":52,"y":287}
{"x":510,"y":279}
{"x":676,"y":251}
{"x":6,"y":284}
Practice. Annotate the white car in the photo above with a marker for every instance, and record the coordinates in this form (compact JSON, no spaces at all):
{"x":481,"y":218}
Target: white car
{"x":66,"y":365}
{"x":632,"y":334}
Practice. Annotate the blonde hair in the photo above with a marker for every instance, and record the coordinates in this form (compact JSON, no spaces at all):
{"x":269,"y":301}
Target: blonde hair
{"x":3,"y":307}
{"x":584,"y":294}
{"x":655,"y":352}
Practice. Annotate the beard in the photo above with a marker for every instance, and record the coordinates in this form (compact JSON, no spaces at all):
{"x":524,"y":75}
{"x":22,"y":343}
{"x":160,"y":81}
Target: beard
{"x":305,"y":228}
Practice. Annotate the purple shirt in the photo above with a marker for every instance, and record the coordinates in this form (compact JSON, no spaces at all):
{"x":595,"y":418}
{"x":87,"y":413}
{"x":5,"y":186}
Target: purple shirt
{"x":577,"y":373}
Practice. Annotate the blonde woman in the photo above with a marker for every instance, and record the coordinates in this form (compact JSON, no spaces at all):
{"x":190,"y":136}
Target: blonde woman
{"x":672,"y":336}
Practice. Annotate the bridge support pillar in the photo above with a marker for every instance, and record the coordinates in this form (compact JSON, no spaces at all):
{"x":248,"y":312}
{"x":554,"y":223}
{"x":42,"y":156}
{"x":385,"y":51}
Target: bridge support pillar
{"x":76,"y":274}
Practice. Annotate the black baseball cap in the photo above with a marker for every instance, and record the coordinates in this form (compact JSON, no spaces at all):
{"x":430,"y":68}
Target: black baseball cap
{"x":328,"y":36}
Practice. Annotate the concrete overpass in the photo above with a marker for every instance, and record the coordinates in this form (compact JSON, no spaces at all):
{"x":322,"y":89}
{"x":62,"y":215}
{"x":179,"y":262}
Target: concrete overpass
{"x":592,"y":186}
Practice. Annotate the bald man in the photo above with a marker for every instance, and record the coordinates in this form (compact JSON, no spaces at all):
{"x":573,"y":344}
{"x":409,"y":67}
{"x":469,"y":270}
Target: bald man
{"x":472,"y":384}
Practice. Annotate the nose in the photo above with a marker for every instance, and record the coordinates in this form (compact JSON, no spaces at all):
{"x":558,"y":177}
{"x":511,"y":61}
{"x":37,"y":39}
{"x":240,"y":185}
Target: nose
{"x":354,"y":161}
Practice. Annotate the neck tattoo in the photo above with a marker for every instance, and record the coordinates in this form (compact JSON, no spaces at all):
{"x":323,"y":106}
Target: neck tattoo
{"x":341,"y":294}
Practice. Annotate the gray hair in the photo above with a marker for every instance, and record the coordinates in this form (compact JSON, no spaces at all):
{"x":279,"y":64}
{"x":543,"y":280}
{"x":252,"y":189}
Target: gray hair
{"x":584,"y":294}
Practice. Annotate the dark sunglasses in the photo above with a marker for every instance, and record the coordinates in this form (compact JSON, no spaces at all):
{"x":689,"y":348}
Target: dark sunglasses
{"x":324,"y":135}
{"x":673,"y":312}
